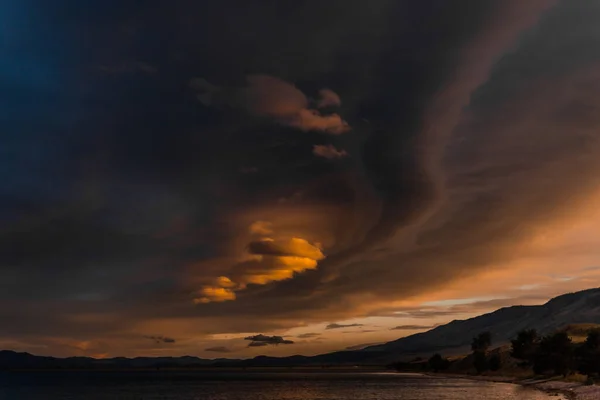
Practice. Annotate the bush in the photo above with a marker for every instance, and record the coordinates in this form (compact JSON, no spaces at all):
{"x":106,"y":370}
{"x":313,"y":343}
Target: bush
{"x":437,"y":363}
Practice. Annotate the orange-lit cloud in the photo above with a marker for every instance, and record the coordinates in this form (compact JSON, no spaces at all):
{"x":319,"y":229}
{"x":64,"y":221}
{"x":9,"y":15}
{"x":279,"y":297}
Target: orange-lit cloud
{"x":269,"y":260}
{"x":294,"y":247}
{"x":261,"y":228}
{"x":222,"y":290}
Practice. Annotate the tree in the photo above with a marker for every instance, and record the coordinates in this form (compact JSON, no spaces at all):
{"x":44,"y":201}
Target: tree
{"x":592,"y":341}
{"x":588,"y":354}
{"x":525,"y":346}
{"x":438,"y":363}
{"x":555,"y":354}
{"x":480,"y":344}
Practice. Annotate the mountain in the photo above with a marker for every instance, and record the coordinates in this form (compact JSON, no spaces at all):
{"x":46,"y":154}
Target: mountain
{"x":453,"y":338}
{"x":13,"y":360}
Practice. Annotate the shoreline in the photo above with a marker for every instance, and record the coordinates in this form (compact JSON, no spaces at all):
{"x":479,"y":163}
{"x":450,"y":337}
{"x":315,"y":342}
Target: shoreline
{"x":551,"y":386}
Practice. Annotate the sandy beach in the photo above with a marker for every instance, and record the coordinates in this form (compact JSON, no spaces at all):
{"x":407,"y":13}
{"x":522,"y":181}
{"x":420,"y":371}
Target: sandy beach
{"x":571,"y":390}
{"x":574,"y":390}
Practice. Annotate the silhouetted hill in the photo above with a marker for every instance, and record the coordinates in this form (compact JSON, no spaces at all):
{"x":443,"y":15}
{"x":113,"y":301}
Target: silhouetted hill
{"x":453,"y":338}
{"x":14,"y":360}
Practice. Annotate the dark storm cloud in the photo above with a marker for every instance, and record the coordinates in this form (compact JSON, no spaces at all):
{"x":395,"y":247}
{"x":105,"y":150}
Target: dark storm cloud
{"x":218,"y":349}
{"x":130,"y":195}
{"x":160,"y":339}
{"x":263,"y":340}
{"x":339,"y":326}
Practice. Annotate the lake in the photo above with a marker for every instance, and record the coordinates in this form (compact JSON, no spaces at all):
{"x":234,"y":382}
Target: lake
{"x":196,"y":385}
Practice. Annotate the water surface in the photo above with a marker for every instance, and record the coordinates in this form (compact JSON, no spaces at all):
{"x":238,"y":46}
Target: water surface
{"x":175,"y":385}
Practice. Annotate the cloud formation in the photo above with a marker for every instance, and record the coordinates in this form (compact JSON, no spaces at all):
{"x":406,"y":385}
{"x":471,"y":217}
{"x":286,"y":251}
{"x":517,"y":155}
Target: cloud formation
{"x":264,"y":340}
{"x":328,"y":151}
{"x":308,"y":335}
{"x":261,"y":228}
{"x":412,"y":327}
{"x":268,"y":260}
{"x":273,"y":98}
{"x":339,"y":326}
{"x":222,"y":289}
{"x":328,"y":98}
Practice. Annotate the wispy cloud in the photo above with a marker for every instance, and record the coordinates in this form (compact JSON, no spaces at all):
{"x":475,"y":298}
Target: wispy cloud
{"x":412,"y":327}
{"x":340,"y":326}
{"x":308,"y":335}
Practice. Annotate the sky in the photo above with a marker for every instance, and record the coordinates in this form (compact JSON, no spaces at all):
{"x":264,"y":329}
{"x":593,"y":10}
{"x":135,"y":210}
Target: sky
{"x":236,"y":178}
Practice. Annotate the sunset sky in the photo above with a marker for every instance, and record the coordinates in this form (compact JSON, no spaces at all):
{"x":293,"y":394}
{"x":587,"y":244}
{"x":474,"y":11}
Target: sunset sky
{"x":235,"y":178}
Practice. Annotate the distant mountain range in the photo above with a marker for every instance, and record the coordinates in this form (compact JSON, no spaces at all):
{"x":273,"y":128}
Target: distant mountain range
{"x":452,"y":338}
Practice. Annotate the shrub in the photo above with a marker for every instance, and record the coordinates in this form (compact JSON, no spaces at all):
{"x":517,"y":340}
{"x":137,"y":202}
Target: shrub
{"x":437,"y":363}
